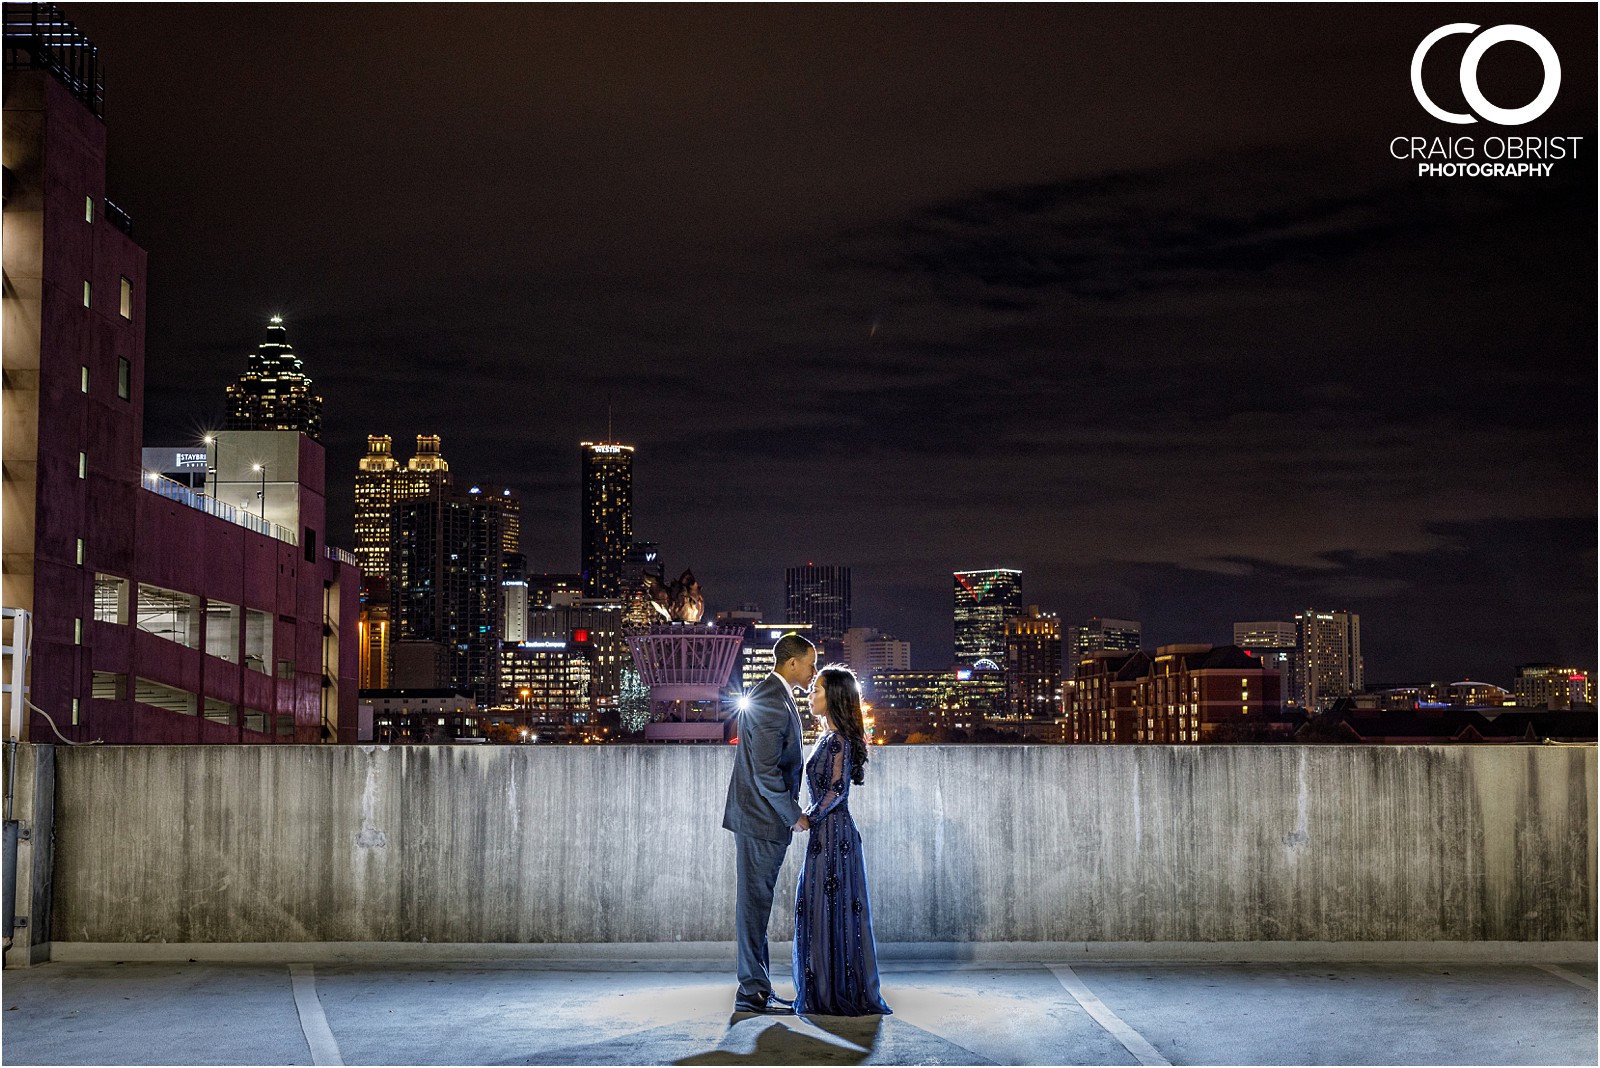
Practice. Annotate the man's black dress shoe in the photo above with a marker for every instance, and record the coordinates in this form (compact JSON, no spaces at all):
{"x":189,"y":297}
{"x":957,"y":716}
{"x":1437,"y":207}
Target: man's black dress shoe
{"x":773,"y":1006}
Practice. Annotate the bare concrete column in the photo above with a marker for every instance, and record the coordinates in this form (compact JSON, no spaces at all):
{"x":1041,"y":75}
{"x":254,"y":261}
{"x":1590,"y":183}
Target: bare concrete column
{"x":33,"y":804}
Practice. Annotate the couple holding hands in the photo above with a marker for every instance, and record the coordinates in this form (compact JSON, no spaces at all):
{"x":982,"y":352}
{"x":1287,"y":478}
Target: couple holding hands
{"x":835,"y":958}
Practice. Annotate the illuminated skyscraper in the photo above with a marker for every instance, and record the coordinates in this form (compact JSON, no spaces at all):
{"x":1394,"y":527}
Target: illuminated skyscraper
{"x":381,"y":483}
{"x":509,"y":503}
{"x":607,"y":517}
{"x":1033,"y":664}
{"x":449,"y":564}
{"x":374,"y":494}
{"x":984,"y":600}
{"x":426,"y":474}
{"x":819,"y":594}
{"x":1101,"y":635}
{"x":274,"y":392}
{"x":1330,"y":656}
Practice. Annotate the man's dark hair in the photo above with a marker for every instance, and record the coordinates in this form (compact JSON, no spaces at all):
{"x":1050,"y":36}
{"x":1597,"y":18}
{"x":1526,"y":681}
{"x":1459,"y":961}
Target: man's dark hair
{"x":789,"y":646}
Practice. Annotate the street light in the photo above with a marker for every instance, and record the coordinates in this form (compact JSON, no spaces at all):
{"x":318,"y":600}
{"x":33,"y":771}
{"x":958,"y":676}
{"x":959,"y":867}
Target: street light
{"x":214,"y":462}
{"x":262,"y":492}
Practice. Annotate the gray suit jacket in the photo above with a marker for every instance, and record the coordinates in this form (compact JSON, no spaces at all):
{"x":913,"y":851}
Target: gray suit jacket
{"x":764,"y":793}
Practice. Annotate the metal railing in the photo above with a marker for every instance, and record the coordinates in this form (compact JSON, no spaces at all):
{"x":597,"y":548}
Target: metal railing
{"x":40,"y":37}
{"x":177,"y":491}
{"x":344,"y":556}
{"x":119,"y":218}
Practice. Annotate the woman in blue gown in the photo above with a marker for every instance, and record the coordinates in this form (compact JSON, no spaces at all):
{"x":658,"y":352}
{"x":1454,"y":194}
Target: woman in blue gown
{"x":835,"y":957}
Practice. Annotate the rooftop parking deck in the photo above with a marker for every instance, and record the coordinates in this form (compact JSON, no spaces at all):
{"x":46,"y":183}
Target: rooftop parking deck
{"x":679,"y":1012}
{"x":1034,"y":905}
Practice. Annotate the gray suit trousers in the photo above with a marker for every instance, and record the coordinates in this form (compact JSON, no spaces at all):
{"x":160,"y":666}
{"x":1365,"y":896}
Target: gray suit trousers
{"x":759,"y":861}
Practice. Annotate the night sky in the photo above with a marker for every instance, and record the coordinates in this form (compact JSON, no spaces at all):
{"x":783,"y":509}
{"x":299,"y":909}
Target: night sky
{"x":1133,"y":299}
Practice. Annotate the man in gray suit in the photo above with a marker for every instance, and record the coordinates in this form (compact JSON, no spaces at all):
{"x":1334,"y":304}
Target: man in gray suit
{"x":763,"y":810}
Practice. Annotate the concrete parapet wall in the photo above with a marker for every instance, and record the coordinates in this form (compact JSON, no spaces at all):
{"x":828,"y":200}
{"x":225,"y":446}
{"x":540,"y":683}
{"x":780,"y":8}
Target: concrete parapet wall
{"x":993,"y":844}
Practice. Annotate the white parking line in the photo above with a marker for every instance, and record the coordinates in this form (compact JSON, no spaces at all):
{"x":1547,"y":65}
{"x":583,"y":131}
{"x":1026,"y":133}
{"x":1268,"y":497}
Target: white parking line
{"x":1571,"y":977}
{"x":1131,"y":1039}
{"x":313,"y":1021}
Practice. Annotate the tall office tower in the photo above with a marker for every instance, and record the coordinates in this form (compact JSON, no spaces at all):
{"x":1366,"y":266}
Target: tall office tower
{"x":1033,"y":664}
{"x":867,"y":650}
{"x":984,"y":600}
{"x":157,"y":615}
{"x":509,"y":502}
{"x":1100,"y":636}
{"x":514,"y":598}
{"x":381,"y":483}
{"x":1276,"y":644}
{"x":819,"y":594}
{"x":449,"y":565}
{"x":607,"y":517}
{"x":427,"y":467}
{"x":514,"y":609}
{"x":375,"y":477}
{"x":274,"y":392}
{"x":1330,"y":656}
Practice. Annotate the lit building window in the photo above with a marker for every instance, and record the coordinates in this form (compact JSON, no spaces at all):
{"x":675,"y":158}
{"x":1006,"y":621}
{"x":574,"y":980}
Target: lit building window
{"x":74,"y":711}
{"x":169,"y":614}
{"x":83,"y":465}
{"x":80,"y":552}
{"x":85,"y":292}
{"x":83,"y":382}
{"x":88,"y":209}
{"x":77,"y":630}
{"x":110,"y":599}
{"x":127,"y":299}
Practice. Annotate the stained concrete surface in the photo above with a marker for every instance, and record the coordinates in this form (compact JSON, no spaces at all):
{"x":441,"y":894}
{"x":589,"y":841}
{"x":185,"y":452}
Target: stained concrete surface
{"x":680,"y":1012}
{"x":968,"y":844}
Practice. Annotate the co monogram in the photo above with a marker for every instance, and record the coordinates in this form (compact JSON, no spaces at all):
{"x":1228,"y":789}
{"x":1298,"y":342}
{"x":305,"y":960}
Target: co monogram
{"x":1469,"y":74}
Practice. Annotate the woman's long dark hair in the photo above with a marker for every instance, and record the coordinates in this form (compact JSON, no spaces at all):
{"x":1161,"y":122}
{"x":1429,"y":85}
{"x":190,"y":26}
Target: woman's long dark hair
{"x":843,"y":695}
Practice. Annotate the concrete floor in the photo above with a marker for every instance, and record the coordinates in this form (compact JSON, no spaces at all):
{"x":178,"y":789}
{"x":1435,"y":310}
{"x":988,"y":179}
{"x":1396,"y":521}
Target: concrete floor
{"x":679,"y":1012}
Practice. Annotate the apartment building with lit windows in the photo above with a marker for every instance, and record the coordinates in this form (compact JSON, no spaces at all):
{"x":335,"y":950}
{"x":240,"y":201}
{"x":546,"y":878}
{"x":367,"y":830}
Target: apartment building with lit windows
{"x":1190,"y":692}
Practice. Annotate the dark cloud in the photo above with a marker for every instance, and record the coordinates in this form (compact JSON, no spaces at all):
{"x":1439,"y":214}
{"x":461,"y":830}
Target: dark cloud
{"x":1151,"y":315}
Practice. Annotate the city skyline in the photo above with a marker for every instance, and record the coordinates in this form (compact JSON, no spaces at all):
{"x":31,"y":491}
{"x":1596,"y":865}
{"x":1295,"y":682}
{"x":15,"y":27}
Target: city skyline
{"x":1177,"y":369}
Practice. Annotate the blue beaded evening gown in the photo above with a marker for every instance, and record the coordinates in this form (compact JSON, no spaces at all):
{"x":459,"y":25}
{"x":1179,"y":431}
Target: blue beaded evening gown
{"x":835,"y":957}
